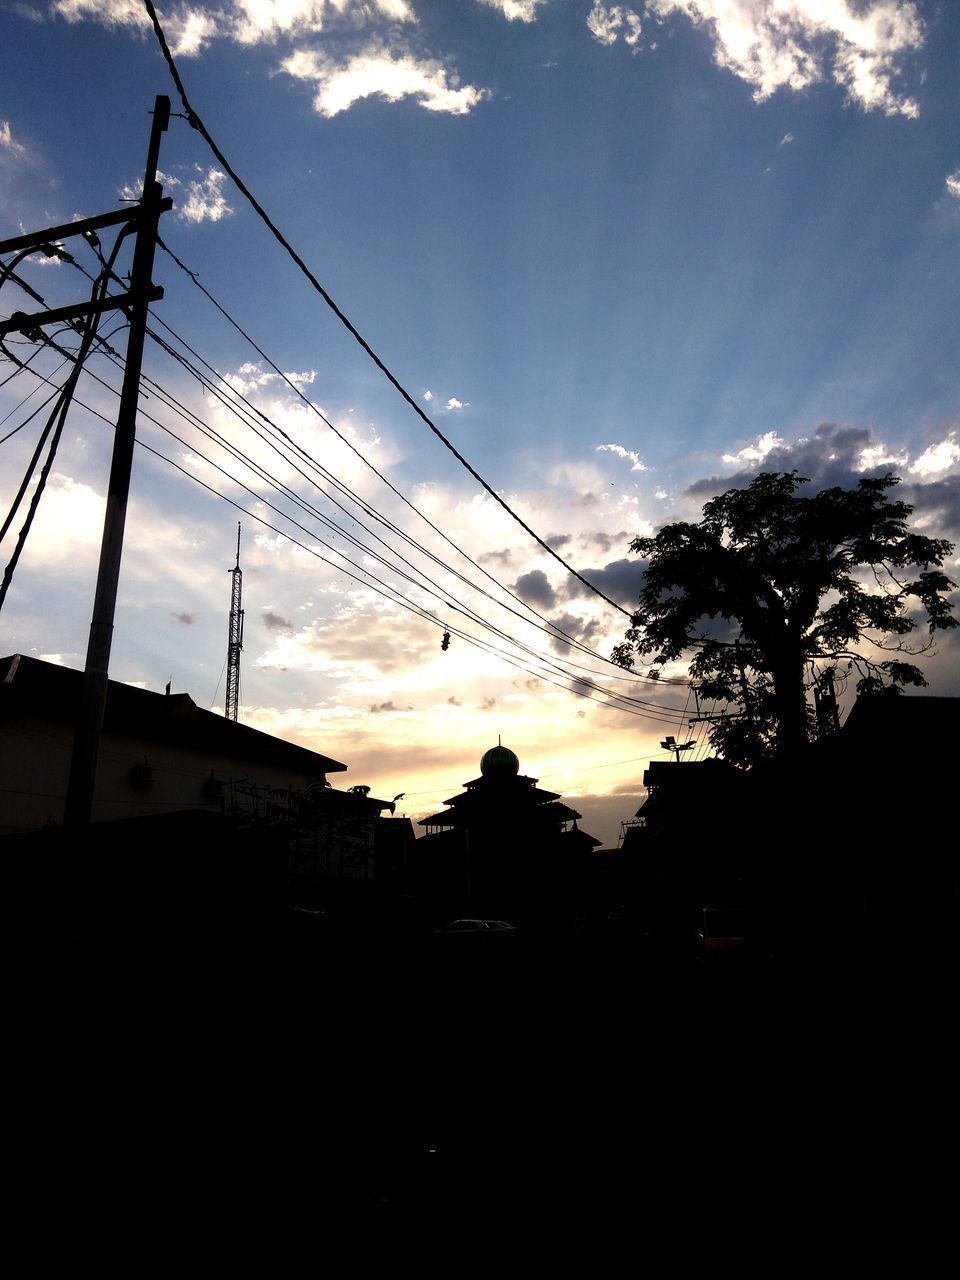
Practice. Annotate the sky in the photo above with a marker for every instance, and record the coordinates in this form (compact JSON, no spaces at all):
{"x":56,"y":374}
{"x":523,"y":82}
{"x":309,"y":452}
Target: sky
{"x":624,"y":256}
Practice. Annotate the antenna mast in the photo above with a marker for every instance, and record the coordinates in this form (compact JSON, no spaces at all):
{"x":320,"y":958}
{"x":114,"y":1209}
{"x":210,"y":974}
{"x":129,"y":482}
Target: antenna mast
{"x":235,"y":640}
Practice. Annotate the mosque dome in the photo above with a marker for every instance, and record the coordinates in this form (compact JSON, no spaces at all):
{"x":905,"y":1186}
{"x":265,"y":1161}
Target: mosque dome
{"x":499,"y":762}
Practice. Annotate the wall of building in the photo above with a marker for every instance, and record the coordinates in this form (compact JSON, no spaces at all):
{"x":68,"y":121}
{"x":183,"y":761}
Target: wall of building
{"x":35,"y":764}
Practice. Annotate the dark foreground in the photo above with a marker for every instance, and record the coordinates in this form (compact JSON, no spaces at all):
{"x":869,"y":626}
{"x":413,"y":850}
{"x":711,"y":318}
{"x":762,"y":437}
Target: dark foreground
{"x":246,"y":1091}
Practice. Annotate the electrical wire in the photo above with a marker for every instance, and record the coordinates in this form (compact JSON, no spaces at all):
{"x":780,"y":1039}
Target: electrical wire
{"x":60,"y":414}
{"x":553,"y":629}
{"x":572,"y":684}
{"x":193,"y":276}
{"x":225,"y":386}
{"x":198,"y":124}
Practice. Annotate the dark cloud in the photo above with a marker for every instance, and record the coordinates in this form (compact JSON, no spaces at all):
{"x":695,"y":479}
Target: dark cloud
{"x":581,"y":687}
{"x":488,"y":704}
{"x":605,"y":541}
{"x":188,"y":619}
{"x":586,"y":631}
{"x":558,"y":540}
{"x":940,"y":502}
{"x":829,"y":458}
{"x":273,"y":622}
{"x":502,"y":559}
{"x":454,"y":702}
{"x":621,"y":580}
{"x":534,"y":588}
{"x":377,"y":707}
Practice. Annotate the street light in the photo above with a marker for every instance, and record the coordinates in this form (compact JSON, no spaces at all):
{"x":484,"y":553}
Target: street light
{"x":671,"y":744}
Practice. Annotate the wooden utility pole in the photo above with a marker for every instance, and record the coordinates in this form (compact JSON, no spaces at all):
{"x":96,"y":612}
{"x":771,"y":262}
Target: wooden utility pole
{"x":86,"y":746}
{"x":90,"y":723}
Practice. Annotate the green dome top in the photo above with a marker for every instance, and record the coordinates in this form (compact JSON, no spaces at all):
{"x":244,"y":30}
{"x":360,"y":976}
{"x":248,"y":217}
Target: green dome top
{"x":499,"y":762}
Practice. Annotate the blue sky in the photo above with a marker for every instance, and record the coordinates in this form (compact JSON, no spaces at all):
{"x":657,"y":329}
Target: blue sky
{"x":623,"y":254}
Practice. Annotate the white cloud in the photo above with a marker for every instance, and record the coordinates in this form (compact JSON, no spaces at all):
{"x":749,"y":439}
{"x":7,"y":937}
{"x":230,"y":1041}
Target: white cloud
{"x":621,"y":452}
{"x":428,"y":395}
{"x":111,"y":13}
{"x":937,"y":458}
{"x":189,"y":31}
{"x":793,"y":44}
{"x":953,"y":183}
{"x":516,"y":10}
{"x":879,"y":455}
{"x":381,"y":71}
{"x":607,"y":22}
{"x":755,"y":452}
{"x":454,"y":403}
{"x":205,"y":200}
{"x":190,"y":27}
{"x":787,"y":139}
{"x":6,"y":139}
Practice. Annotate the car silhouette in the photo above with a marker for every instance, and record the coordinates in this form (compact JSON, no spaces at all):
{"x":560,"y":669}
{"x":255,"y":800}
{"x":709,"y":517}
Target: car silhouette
{"x":476,"y":929}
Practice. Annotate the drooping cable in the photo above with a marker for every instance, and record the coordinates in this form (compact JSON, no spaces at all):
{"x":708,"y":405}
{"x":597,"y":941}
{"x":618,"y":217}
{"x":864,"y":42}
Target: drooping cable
{"x":555,"y":632}
{"x":198,"y":124}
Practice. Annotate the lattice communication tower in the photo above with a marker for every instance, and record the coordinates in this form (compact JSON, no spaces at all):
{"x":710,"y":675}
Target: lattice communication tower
{"x":235,"y":640}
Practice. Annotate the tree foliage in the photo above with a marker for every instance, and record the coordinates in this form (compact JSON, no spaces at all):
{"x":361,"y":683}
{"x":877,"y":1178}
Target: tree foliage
{"x":770,"y":588}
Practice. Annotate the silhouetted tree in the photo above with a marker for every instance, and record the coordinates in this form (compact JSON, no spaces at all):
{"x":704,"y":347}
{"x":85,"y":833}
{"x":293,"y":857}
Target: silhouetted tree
{"x":770,"y":586}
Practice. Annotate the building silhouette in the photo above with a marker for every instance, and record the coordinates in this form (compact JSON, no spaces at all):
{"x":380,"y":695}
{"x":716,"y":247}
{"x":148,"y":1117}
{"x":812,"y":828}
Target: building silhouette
{"x":504,"y":847}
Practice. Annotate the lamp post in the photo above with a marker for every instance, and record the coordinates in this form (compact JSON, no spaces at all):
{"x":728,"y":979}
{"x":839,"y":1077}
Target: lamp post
{"x":671,"y":744}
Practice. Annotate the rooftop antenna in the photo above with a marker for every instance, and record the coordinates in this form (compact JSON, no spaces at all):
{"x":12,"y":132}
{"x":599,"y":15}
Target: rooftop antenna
{"x":231,"y":705}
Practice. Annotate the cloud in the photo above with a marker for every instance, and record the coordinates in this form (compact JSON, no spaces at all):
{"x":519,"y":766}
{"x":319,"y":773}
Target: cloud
{"x":428,"y":395}
{"x":112,"y":13}
{"x":953,"y":183}
{"x":516,"y":10}
{"x":189,"y":31}
{"x":786,"y":140}
{"x":755,"y":452}
{"x":200,"y":199}
{"x":378,"y":708}
{"x":620,"y":580}
{"x":454,"y":403}
{"x":205,"y":200}
{"x":274,"y":622}
{"x":187,"y":619}
{"x":390,"y":72}
{"x":534,"y":588}
{"x":190,"y":28}
{"x":7,"y":141}
{"x":939,"y":457}
{"x":937,"y":504}
{"x":626,"y":454}
{"x":608,"y":22}
{"x":587,"y":630}
{"x":833,"y":456}
{"x":794,"y":44}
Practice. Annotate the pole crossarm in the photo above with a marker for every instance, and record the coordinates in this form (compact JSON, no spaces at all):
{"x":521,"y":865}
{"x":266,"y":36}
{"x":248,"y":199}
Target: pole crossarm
{"x":21,"y":323}
{"x":34,"y":239}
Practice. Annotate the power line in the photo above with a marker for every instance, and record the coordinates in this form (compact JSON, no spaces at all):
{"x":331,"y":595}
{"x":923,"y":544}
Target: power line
{"x":568,"y":682}
{"x":198,"y":124}
{"x":364,"y":506}
{"x":555,"y":630}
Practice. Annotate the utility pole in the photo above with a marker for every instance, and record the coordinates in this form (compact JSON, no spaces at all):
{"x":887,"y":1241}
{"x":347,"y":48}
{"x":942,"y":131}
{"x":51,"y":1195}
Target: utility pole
{"x":231,"y":706}
{"x":86,"y":746}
